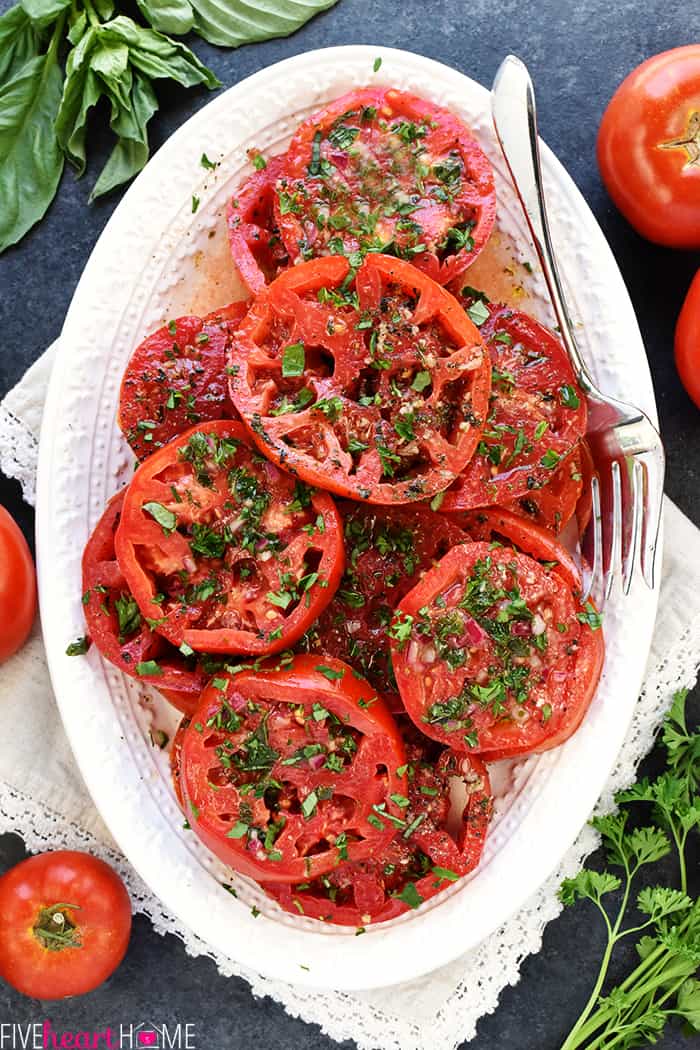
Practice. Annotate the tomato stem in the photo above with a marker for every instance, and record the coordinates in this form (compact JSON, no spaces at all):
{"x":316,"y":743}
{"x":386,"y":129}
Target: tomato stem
{"x":55,"y":929}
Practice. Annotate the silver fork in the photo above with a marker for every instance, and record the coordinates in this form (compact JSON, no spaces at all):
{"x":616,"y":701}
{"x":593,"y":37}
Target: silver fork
{"x":628,"y":456}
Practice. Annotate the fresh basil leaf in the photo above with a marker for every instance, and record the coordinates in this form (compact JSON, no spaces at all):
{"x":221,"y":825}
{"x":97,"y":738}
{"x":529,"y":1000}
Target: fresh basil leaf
{"x":18,"y":42}
{"x":81,"y":91}
{"x":231,"y":23}
{"x":104,"y":8}
{"x":43,"y":12}
{"x":156,"y":55}
{"x":78,"y":28}
{"x":31,"y":161}
{"x":169,"y":16}
{"x":131,"y":151}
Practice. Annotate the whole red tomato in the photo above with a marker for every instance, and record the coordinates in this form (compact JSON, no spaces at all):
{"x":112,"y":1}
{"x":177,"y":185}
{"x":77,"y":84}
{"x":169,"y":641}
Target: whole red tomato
{"x":687,"y":342}
{"x":649,"y":148}
{"x":66,"y":920}
{"x":17,"y":587}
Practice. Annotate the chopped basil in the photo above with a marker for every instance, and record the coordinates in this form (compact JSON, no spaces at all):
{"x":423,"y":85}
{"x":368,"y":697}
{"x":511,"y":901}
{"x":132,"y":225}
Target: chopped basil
{"x":400,"y":800}
{"x":330,"y":673}
{"x":445,"y":873}
{"x":78,"y":647}
{"x":409,"y":895}
{"x":308,"y":806}
{"x":165,"y":518}
{"x":206,"y":163}
{"x":478,"y":312}
{"x":148,"y":669}
{"x":591,"y":617}
{"x":421,"y":380}
{"x":128,"y":616}
{"x":550,"y":459}
{"x":568,"y":396}
{"x":293,"y":360}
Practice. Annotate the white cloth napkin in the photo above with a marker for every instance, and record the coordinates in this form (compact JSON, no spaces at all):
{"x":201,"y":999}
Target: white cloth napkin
{"x":42,"y":796}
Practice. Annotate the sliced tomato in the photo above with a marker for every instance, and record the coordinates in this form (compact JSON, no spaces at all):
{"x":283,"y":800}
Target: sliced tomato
{"x":504,"y":526}
{"x":537,"y":414}
{"x":386,"y":553}
{"x":554,"y":505}
{"x":256,"y":246}
{"x":176,"y":760}
{"x":376,"y":392}
{"x":222,"y":551}
{"x":496,"y":655}
{"x":176,"y":378}
{"x":381,"y":170}
{"x":433,"y":851}
{"x":118,"y":629}
{"x":288,"y":771}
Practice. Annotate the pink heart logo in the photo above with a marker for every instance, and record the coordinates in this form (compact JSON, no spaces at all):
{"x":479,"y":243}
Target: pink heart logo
{"x":148,"y":1038}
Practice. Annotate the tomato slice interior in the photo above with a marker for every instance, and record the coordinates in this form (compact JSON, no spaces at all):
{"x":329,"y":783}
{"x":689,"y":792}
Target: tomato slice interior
{"x":425,"y":859}
{"x":387,"y":551}
{"x":118,"y":629}
{"x":382,"y":170}
{"x":289,"y":771}
{"x":376,"y":390}
{"x":496,"y":654}
{"x":223,"y":552}
{"x":176,"y":378}
{"x":254,"y":239}
{"x":537,"y":414}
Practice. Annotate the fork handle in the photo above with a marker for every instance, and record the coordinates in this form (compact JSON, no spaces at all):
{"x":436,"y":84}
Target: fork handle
{"x":515,"y":121}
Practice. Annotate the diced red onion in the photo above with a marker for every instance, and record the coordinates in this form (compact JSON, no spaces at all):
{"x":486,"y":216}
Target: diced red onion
{"x":521,"y":629}
{"x":429,"y":655}
{"x":237,"y":701}
{"x":412,"y":655}
{"x":475,"y":634}
{"x":538,"y":625}
{"x":316,"y":762}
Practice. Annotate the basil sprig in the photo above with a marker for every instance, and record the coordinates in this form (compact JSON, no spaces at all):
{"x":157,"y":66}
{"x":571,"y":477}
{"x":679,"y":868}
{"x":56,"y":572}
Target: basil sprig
{"x":58,"y":58}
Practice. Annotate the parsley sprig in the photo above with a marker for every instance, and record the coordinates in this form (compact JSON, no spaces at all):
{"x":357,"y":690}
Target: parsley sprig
{"x":665,"y":983}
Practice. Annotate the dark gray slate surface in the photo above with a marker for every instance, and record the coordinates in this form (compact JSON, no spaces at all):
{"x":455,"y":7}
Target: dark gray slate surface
{"x":578,"y":53}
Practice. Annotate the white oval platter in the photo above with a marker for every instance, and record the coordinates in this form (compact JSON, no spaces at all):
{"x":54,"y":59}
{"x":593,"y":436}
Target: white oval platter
{"x":157,"y":259}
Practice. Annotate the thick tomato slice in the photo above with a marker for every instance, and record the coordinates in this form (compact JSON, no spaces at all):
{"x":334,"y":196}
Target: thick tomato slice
{"x":118,"y":629}
{"x":554,"y":505}
{"x":498,"y":656}
{"x":649,"y":147}
{"x":176,"y":378}
{"x":433,"y":850}
{"x":381,"y":170}
{"x":501,"y":525}
{"x":386,"y":553}
{"x":256,"y":246}
{"x":687,"y":340}
{"x":537,"y":414}
{"x":176,"y":760}
{"x":288,"y":771}
{"x":376,"y":392}
{"x":222,"y":551}
{"x":66,"y":921}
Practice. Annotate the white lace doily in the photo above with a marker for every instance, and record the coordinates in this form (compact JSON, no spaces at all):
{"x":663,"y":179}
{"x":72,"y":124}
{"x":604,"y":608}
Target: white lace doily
{"x":48,"y":806}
